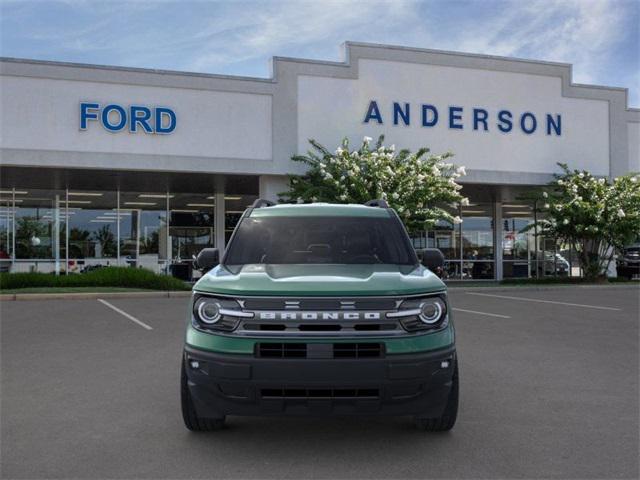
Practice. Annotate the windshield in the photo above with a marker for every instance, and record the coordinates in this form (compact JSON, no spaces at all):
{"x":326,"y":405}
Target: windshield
{"x":320,"y":240}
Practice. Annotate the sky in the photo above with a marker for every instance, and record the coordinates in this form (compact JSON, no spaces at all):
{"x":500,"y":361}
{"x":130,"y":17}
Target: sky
{"x":601,"y":38}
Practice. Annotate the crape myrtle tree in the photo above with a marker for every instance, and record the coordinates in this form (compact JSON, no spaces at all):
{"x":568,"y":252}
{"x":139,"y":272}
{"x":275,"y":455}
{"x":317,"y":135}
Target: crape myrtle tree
{"x":417,"y":185}
{"x":593,"y":215}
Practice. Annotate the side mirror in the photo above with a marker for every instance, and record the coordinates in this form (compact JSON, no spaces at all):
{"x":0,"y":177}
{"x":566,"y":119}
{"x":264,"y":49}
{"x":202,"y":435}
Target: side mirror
{"x":433,"y":259}
{"x":207,"y":259}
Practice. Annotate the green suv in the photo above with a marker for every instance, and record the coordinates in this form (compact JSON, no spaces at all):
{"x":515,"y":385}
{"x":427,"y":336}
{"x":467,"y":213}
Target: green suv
{"x":320,"y":309}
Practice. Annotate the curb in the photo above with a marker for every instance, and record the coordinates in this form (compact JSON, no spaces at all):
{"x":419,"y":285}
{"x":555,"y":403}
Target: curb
{"x":92,"y":295}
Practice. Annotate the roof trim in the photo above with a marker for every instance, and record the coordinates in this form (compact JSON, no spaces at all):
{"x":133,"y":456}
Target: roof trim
{"x":346,"y":63}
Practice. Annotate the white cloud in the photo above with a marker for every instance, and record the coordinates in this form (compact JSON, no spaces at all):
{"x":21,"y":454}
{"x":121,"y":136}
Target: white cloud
{"x":226,"y":37}
{"x":581,"y":32}
{"x":277,"y":26}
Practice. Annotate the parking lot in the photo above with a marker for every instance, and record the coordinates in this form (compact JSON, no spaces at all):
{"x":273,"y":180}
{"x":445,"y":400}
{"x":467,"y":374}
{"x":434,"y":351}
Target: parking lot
{"x":549,"y":389}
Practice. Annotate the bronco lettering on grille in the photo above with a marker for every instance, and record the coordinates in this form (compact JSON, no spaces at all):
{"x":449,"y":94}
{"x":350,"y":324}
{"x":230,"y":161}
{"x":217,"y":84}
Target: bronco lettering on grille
{"x":319,"y":315}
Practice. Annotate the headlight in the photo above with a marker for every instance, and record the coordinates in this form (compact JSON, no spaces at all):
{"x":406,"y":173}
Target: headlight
{"x":431,"y":310}
{"x":217,"y":313}
{"x":422,"y":313}
{"x":208,"y":310}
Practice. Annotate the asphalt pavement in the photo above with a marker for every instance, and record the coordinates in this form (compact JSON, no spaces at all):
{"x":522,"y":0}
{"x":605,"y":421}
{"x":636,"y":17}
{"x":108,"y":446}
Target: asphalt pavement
{"x":549,"y":389}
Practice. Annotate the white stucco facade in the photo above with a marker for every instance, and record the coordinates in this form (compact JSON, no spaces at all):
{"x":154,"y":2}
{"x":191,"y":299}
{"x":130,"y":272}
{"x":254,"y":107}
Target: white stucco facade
{"x":181,"y":154}
{"x":253,"y":126}
{"x":211,"y":123}
{"x":329,"y":107}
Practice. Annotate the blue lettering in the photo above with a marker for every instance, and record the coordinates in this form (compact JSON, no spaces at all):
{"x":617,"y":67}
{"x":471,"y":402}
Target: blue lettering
{"x":373,"y":112}
{"x":505,"y":124}
{"x":399,"y":112}
{"x":455,"y":113}
{"x":86,"y":114}
{"x":139,"y":115}
{"x":523,"y":123}
{"x":556,"y":125}
{"x":425,"y":115}
{"x":162,"y":112}
{"x":480,"y":116}
{"x":105,"y":118}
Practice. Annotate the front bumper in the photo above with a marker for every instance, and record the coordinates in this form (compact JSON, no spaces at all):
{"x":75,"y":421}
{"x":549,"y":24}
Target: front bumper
{"x":230,"y":384}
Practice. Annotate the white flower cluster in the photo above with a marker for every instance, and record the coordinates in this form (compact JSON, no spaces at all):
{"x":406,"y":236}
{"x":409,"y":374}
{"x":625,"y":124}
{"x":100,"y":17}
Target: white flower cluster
{"x":415,"y":184}
{"x":592,"y":213}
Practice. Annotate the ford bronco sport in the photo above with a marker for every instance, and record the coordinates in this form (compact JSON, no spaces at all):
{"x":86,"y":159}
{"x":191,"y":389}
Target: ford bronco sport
{"x":319,"y":309}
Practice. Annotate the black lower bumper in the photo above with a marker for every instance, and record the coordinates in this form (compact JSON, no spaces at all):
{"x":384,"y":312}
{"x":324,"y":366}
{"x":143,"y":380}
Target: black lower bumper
{"x":223,"y":384}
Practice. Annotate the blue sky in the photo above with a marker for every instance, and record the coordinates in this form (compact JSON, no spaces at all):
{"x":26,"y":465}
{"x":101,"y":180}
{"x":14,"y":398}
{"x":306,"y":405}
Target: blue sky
{"x":600,"y":38}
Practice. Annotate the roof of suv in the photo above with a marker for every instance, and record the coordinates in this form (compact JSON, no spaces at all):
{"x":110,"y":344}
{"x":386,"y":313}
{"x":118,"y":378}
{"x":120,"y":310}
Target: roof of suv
{"x":320,"y":210}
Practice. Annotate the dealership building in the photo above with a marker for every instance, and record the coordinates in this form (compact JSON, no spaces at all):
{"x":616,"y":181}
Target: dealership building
{"x":105,"y":165}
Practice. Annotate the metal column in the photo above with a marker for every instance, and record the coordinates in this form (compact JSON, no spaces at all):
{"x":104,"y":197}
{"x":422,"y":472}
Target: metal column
{"x":497,"y":239}
{"x":220,"y":221}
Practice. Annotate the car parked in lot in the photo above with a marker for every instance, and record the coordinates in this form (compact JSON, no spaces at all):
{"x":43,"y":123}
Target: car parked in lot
{"x":320,"y":309}
{"x":628,"y":263}
{"x":553,"y":264}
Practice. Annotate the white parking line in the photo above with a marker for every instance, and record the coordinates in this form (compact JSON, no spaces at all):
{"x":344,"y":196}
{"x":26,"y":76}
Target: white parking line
{"x":524,"y":299}
{"x":125,"y":314}
{"x":481,"y":313}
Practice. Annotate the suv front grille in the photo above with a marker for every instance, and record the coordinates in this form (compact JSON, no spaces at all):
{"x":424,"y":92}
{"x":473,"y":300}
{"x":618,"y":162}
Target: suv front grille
{"x":320,"y":304}
{"x":357,"y":350}
{"x":344,"y":327}
{"x":319,"y":351}
{"x":313,"y":393}
{"x":282,"y":350}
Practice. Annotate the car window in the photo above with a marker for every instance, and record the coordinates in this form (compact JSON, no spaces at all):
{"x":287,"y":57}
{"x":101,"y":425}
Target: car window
{"x":320,"y":240}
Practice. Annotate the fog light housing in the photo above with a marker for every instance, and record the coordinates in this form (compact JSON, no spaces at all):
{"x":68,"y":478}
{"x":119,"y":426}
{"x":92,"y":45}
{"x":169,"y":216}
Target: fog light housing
{"x":194,"y":364}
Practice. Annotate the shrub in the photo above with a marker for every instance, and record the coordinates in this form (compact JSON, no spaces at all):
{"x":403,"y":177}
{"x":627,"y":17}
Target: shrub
{"x":125,"y":277}
{"x":563,"y":281}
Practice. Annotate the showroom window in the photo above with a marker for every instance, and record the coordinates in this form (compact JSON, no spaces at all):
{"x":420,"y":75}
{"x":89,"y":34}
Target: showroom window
{"x":144,"y":229}
{"x":79,"y":230}
{"x":518,"y":240}
{"x":477,"y":242}
{"x":191,"y":228}
{"x":91,"y":230}
{"x":467,"y":247}
{"x":39,"y":217}
{"x":6,"y":229}
{"x":192,"y":224}
{"x":526,"y":255}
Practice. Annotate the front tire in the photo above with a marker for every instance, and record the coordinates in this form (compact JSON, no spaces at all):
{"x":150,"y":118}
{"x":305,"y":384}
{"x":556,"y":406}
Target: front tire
{"x":191,"y":419}
{"x":448,"y":418}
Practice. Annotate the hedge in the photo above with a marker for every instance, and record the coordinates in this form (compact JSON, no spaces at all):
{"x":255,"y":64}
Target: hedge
{"x":102,"y":277}
{"x":563,"y":281}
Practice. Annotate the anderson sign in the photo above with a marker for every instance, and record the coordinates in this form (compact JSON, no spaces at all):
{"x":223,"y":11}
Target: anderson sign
{"x":460,"y":118}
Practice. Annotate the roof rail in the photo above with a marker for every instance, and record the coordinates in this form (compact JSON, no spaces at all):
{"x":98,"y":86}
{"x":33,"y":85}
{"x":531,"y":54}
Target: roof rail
{"x":261,"y":202}
{"x":377,"y":203}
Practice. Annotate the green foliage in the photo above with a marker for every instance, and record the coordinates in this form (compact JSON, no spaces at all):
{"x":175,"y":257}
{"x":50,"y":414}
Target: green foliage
{"x":595,"y":216}
{"x":107,"y":240}
{"x":417,"y":185}
{"x":26,"y":229}
{"x":102,"y":277}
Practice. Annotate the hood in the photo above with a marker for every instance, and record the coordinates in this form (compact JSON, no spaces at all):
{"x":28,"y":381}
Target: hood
{"x":320,"y":280}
